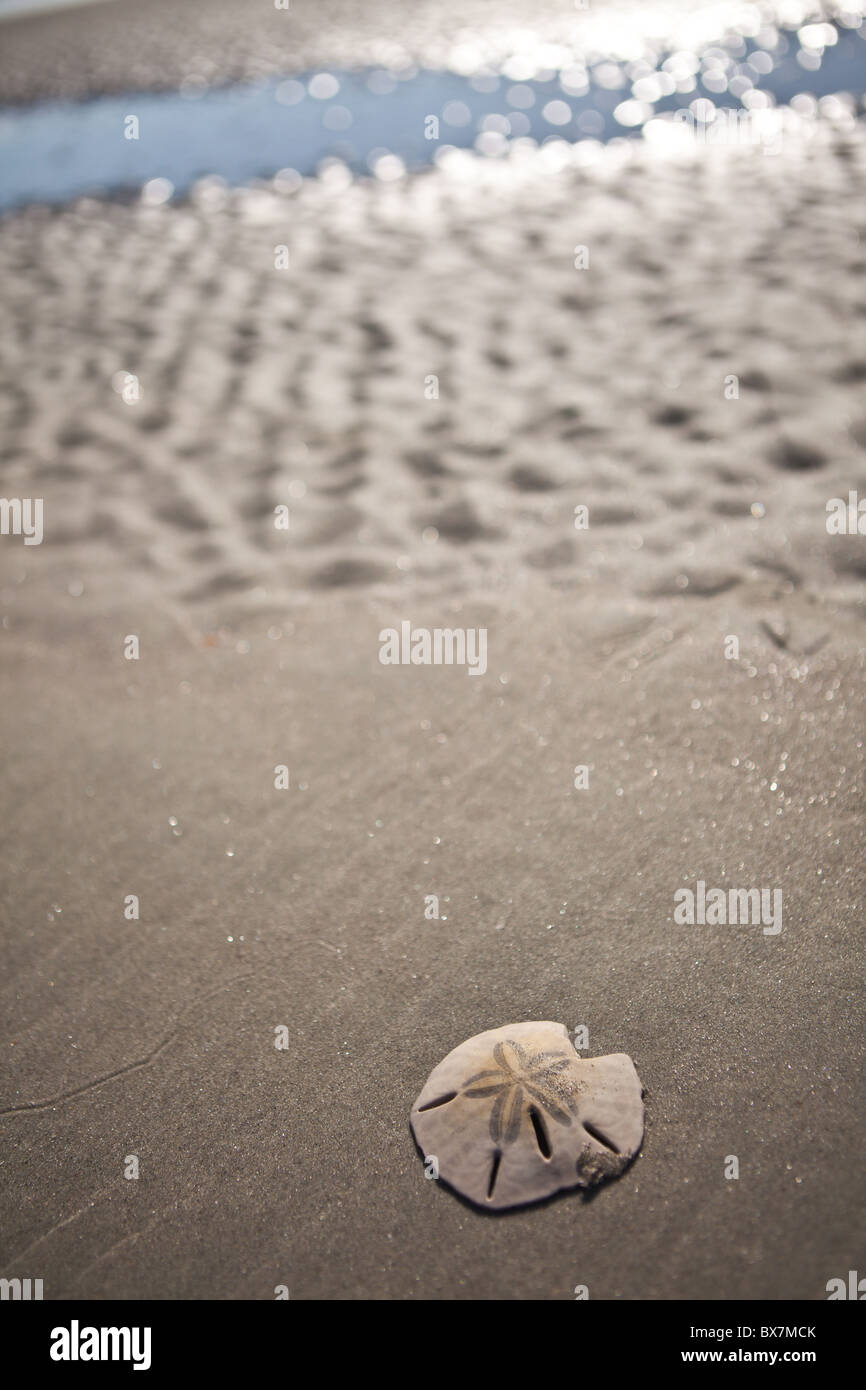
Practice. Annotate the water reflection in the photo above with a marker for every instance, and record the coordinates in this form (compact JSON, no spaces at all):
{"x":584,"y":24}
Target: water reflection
{"x":382,"y":122}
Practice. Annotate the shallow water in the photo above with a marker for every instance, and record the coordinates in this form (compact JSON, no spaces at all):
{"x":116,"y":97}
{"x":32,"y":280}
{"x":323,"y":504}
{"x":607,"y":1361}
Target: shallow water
{"x":378,"y":121}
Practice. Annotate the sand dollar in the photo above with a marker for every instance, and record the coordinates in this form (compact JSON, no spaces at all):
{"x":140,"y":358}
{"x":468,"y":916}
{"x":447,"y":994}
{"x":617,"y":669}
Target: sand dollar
{"x":515,"y":1114}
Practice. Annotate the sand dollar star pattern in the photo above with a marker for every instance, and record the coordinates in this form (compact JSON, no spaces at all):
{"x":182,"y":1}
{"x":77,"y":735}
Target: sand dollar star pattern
{"x":519,"y":1078}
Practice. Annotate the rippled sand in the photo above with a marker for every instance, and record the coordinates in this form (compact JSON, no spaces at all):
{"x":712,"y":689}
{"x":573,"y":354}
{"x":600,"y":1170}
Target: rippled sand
{"x":698,"y":387}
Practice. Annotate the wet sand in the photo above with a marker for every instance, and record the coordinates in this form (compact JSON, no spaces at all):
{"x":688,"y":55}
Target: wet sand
{"x":261,"y":1167}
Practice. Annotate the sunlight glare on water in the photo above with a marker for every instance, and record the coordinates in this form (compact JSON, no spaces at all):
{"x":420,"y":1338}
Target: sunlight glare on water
{"x":719,"y":74}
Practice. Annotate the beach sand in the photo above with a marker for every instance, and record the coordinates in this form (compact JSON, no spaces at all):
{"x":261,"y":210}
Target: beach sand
{"x":304,"y":908}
